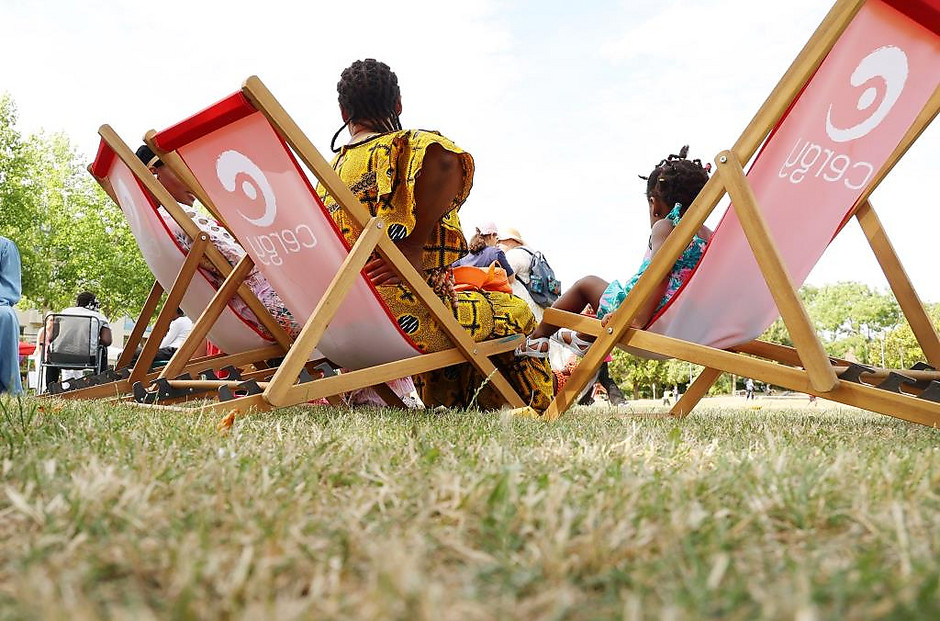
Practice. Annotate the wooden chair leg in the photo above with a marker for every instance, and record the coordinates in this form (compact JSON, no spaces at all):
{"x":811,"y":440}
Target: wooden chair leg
{"x":697,"y":389}
{"x":389,"y":397}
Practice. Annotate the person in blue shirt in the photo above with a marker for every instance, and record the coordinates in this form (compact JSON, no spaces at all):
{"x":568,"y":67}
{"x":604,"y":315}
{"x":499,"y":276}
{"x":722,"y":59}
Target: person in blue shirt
{"x":10,"y":290}
{"x":483,"y":251}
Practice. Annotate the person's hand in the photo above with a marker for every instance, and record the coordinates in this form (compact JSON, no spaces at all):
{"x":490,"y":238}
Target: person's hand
{"x":633,"y":324}
{"x":380,"y":272}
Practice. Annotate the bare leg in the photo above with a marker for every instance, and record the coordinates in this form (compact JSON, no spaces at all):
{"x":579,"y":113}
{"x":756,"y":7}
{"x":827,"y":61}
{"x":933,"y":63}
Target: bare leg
{"x":587,"y":290}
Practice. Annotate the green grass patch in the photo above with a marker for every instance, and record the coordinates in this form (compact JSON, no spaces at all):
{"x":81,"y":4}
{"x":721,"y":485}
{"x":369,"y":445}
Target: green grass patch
{"x":107,"y":511}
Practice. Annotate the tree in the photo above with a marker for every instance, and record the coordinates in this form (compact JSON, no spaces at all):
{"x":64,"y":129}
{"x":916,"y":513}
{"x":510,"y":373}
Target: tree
{"x":18,"y":211}
{"x":70,"y":235}
{"x":901,"y":349}
{"x":850,"y":315}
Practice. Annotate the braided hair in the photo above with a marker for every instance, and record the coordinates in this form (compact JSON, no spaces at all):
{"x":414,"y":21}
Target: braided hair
{"x":369,"y":94}
{"x":677,"y":180}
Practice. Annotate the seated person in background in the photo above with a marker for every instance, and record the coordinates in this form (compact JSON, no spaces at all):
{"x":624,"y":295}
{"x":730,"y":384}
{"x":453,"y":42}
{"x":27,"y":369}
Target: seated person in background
{"x":483,"y":251}
{"x":9,"y":323}
{"x":176,"y":334}
{"x":72,"y":338}
{"x":670,"y":189}
{"x":519,"y":256}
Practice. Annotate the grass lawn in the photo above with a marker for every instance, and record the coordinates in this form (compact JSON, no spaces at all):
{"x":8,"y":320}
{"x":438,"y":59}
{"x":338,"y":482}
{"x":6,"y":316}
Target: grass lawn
{"x":111,"y":512}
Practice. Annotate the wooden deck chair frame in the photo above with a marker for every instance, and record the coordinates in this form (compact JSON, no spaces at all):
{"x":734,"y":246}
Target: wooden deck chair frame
{"x":912,"y":395}
{"x":120,"y":383}
{"x":287,"y":386}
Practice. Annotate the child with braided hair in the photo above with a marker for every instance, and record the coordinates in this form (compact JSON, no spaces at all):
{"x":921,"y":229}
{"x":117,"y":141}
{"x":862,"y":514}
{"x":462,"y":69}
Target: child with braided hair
{"x":670,"y":189}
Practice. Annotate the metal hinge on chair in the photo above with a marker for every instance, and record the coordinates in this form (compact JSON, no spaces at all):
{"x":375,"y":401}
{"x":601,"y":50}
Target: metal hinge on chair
{"x":142,"y":395}
{"x":225,"y":373}
{"x":325,"y":369}
{"x":932,"y":392}
{"x":895,"y":381}
{"x":244,"y":389}
{"x":164,"y":390}
{"x":854,"y":373}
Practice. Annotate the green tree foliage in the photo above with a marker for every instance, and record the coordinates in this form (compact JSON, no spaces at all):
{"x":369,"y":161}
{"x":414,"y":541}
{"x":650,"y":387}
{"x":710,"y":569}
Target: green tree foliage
{"x":70,"y":234}
{"x":850,"y":316}
{"x":638,"y":376}
{"x":901,"y":349}
{"x":17,"y":206}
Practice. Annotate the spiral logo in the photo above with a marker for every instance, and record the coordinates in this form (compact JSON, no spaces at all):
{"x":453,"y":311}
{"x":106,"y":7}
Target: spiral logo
{"x":888,"y":63}
{"x":229,"y":166}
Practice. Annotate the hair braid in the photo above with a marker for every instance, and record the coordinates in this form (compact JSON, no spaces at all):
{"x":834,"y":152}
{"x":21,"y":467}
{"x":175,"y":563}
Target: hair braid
{"x":369,"y":94}
{"x":677,"y":179}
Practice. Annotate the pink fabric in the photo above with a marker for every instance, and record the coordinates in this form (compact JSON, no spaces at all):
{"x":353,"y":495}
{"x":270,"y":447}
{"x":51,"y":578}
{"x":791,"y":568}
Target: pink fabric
{"x":811,"y":172}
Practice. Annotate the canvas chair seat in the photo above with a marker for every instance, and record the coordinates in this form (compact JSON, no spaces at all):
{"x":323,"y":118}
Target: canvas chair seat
{"x":74,"y":346}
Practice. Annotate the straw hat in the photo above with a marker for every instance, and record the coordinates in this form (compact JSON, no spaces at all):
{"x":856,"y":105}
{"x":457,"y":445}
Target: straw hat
{"x":511,"y":233}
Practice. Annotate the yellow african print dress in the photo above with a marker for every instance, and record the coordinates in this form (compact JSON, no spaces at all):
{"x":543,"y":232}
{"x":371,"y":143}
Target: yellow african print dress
{"x":382,"y":172}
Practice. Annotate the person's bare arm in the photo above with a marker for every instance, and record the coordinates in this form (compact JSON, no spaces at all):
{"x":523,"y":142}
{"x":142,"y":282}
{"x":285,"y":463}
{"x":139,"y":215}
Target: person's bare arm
{"x":438,"y":183}
{"x":105,"y":337}
{"x":658,"y":235}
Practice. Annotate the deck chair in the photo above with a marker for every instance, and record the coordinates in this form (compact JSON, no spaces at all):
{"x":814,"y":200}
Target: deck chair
{"x":240,"y":155}
{"x":858,"y":95}
{"x":135,"y":190}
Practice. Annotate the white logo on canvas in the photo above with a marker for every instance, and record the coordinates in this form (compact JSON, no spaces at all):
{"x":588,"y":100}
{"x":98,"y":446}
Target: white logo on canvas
{"x":888,"y":63}
{"x":229,"y":165}
{"x":271,"y":246}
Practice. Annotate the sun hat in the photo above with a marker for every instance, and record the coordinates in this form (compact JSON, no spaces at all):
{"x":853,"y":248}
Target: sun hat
{"x":511,"y":233}
{"x":488,"y":229}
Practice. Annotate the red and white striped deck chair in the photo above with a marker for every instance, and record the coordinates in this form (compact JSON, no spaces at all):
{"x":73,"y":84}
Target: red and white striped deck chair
{"x":855,"y":99}
{"x":135,"y":190}
{"x":237,"y":153}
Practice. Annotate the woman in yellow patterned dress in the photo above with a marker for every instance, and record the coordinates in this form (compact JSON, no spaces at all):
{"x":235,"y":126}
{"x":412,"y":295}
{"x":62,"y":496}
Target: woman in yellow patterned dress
{"x":417,"y":180}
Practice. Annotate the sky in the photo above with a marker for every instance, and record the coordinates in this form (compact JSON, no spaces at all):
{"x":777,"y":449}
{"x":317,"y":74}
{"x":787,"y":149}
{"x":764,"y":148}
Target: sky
{"x":562,"y":104}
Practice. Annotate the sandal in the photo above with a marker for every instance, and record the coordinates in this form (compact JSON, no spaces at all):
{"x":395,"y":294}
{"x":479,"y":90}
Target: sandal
{"x":532,"y":348}
{"x":570,"y":339}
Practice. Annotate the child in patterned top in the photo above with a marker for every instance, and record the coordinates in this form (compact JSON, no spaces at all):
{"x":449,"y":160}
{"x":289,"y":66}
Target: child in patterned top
{"x":670,"y":189}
